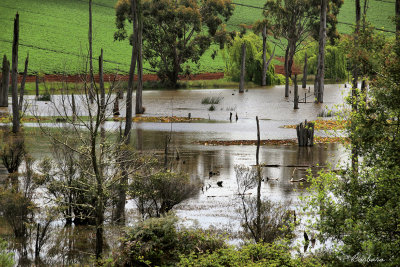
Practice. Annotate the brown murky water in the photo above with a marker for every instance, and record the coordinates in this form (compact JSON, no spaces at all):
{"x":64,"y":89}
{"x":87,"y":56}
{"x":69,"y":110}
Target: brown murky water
{"x":216,"y":207}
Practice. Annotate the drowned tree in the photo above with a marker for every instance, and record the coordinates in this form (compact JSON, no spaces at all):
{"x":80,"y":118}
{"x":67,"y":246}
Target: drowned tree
{"x":177,"y":32}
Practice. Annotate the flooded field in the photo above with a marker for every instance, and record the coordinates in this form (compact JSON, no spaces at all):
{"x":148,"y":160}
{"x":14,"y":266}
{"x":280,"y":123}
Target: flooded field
{"x":214,"y":206}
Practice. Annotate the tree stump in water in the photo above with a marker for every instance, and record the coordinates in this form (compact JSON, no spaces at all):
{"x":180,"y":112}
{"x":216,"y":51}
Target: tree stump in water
{"x":305,"y":133}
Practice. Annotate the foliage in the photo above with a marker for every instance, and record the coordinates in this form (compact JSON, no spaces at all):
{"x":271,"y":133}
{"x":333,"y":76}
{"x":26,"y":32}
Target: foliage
{"x":12,"y":152}
{"x":6,"y":258}
{"x":211,"y":100}
{"x":364,"y":51}
{"x":46,"y":96}
{"x":159,"y":242}
{"x":333,"y":8}
{"x":254,"y":61}
{"x":16,"y":200}
{"x":261,"y":254}
{"x":176,"y":32}
{"x":56,"y":40}
{"x":157,"y":193}
{"x":358,"y":209}
{"x":335,"y":60}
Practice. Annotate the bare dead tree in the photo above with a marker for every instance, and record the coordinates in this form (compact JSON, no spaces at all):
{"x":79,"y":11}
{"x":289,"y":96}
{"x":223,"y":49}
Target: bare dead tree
{"x":14,"y":76}
{"x":319,"y":79}
{"x":5,"y":82}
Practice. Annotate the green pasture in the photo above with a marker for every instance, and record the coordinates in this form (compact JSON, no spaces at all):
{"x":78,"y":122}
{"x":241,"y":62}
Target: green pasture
{"x":54,"y":32}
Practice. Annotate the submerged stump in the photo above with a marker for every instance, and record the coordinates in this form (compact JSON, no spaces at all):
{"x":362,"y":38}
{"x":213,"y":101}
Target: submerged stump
{"x":305,"y":133}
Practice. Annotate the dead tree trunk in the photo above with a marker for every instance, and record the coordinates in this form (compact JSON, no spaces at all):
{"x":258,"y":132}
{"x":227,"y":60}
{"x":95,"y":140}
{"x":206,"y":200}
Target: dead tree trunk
{"x":128,"y":122}
{"x":305,"y":70}
{"x":119,"y":216}
{"x":37,"y":86}
{"x":286,"y":72}
{"x":14,"y":76}
{"x":305,"y":134}
{"x":139,"y":88}
{"x":397,"y":20}
{"x":242,"y":68}
{"x":101,"y":83}
{"x":21,"y":92}
{"x":264,"y":57}
{"x":73,"y":107}
{"x":296,"y":93}
{"x":319,"y":80}
{"x":91,"y":90}
{"x":258,"y":219}
{"x":5,"y":82}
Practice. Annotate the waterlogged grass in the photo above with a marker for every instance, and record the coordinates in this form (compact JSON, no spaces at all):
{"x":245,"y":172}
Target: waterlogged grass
{"x":211,"y":100}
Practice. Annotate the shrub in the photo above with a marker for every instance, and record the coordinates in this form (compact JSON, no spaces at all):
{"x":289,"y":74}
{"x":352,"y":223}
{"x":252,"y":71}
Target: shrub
{"x":46,"y":96}
{"x":254,"y":61}
{"x":158,"y":242}
{"x":6,"y":258}
{"x":158,"y":193}
{"x":211,"y":108}
{"x":261,"y":254}
{"x":12,"y":153}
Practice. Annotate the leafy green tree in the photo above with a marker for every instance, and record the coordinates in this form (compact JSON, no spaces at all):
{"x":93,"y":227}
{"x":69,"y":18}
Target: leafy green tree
{"x":335,"y":59}
{"x":359,"y":209}
{"x":291,"y":22}
{"x":254,"y":60}
{"x":161,"y":242}
{"x":177,"y":31}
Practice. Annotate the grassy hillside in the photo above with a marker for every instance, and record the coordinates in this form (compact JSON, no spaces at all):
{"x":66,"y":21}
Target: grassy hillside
{"x":54,"y":32}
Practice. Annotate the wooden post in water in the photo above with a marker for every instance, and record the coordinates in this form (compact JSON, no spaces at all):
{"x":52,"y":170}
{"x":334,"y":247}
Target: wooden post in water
{"x":296,"y":93}
{"x":5,"y":82}
{"x":73,"y":108}
{"x":304,"y":85}
{"x":305,"y":133}
{"x":37,"y":86}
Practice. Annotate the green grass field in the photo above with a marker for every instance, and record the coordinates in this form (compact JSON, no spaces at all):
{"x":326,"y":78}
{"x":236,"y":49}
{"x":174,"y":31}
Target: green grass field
{"x":54,"y":32}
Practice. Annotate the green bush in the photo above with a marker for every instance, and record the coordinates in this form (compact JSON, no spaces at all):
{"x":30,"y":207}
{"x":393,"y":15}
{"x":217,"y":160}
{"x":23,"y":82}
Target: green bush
{"x":158,"y":242}
{"x":156,"y":194}
{"x":261,"y":254}
{"x":6,"y":258}
{"x":335,"y":60}
{"x":254,"y":61}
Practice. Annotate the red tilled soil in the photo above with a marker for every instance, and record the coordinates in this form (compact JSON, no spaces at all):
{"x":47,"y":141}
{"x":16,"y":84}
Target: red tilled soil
{"x":146,"y":77}
{"x":110,"y":77}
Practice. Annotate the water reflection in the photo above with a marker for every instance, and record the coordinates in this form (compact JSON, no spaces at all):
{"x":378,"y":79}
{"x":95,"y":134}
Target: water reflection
{"x":214,"y":206}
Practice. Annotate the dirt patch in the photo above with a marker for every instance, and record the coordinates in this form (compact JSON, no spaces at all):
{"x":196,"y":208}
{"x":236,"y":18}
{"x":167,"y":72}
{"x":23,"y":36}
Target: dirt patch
{"x":169,"y":119}
{"x":110,"y":77}
{"x":324,"y":125}
{"x":285,"y":142}
{"x":146,"y":77}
